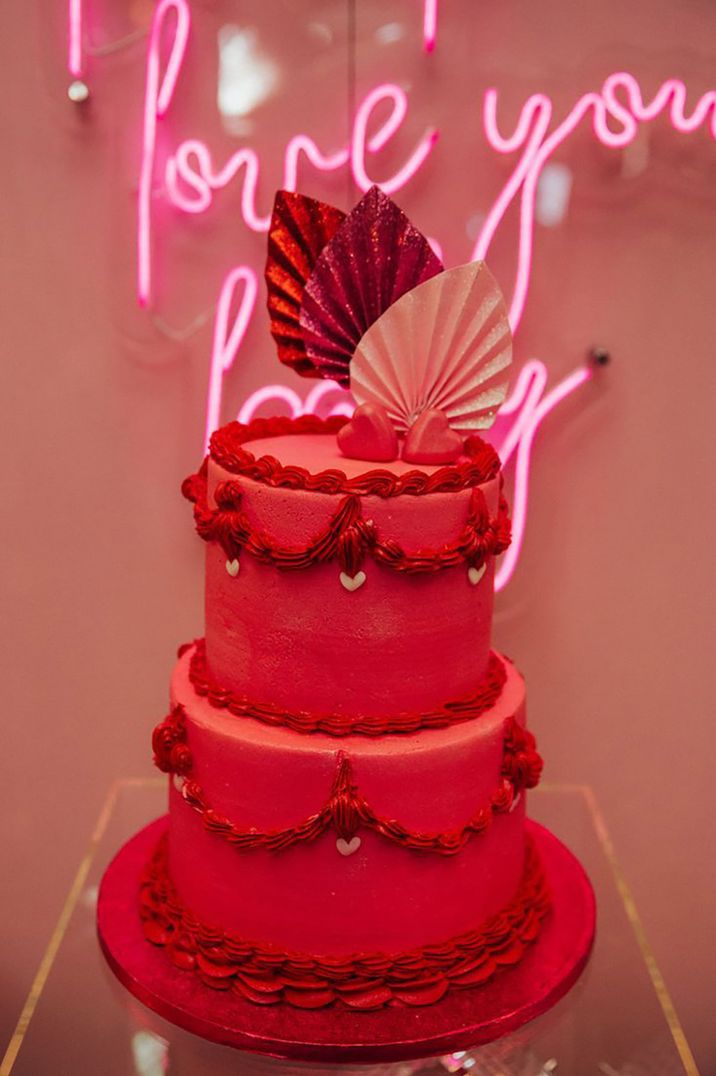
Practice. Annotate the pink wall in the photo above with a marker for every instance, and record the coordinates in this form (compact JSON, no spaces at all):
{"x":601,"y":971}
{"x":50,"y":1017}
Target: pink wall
{"x":609,"y":615}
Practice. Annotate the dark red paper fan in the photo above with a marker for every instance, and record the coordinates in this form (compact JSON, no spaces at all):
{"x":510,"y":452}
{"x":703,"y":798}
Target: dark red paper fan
{"x":300,"y":229}
{"x":376,"y":256}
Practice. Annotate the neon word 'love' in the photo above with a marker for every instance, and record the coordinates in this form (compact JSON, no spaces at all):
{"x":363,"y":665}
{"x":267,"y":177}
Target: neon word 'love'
{"x":190,"y":176}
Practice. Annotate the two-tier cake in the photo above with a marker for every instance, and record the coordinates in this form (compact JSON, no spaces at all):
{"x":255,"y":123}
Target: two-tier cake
{"x":346,"y":845}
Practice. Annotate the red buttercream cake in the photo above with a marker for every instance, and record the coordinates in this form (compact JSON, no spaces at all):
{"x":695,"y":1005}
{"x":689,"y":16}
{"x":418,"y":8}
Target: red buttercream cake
{"x":348,"y":758}
{"x":344,"y":734}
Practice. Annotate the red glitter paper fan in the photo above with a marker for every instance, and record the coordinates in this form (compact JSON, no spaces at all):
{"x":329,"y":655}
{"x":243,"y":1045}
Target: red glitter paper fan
{"x":300,"y":229}
{"x":374,"y":258}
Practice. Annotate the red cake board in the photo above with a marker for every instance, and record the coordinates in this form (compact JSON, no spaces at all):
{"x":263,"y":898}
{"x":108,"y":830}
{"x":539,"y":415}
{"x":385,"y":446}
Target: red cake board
{"x":460,"y":1021}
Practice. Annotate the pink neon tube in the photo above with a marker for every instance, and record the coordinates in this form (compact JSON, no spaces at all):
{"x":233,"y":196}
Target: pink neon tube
{"x":227,"y":343}
{"x":191,"y":177}
{"x":530,"y":131}
{"x":75,"y":59}
{"x":522,"y":470}
{"x":271,"y":392}
{"x":202,"y":180}
{"x":524,"y":399}
{"x":345,"y":405}
{"x":387,"y":91}
{"x":430,"y":24}
{"x":158,"y":93}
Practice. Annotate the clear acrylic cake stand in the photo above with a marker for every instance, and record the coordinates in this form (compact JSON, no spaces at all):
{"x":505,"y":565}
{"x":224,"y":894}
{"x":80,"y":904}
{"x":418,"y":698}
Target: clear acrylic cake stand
{"x":617,"y":1021}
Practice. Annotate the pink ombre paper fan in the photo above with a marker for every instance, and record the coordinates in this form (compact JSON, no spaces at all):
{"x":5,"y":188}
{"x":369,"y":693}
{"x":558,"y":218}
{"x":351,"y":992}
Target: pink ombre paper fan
{"x":300,"y":228}
{"x":374,"y":258}
{"x":443,"y":346}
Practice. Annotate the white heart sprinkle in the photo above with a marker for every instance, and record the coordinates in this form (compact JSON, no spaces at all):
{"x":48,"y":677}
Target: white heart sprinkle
{"x":347,"y":848}
{"x":475,"y":574}
{"x":353,"y":582}
{"x":515,"y":801}
{"x":232,"y":567}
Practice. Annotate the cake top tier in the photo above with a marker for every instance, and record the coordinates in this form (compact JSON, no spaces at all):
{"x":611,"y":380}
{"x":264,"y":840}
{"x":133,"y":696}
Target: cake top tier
{"x":339,"y":589}
{"x":364,"y":300}
{"x":304,"y":453}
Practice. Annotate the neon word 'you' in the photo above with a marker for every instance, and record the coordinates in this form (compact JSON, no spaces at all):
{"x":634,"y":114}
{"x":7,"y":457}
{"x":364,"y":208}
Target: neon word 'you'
{"x":537,"y":140}
{"x":618,"y":110}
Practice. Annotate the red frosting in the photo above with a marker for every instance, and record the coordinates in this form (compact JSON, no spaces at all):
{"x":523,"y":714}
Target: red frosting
{"x":346,"y":810}
{"x":392,"y":613}
{"x":480,"y":464}
{"x":266,"y":974}
{"x":449,"y":713}
{"x":347,"y":537}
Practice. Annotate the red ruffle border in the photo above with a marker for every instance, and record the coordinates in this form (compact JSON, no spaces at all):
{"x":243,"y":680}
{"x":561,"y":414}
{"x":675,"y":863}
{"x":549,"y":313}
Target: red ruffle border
{"x":347,"y":537}
{"x":267,"y":975}
{"x":339,"y":725}
{"x":227,"y":449}
{"x":346,"y":810}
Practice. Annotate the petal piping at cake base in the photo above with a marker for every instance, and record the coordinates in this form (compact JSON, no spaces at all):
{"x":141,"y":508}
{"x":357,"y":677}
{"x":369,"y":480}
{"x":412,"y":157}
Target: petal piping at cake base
{"x":460,"y":1021}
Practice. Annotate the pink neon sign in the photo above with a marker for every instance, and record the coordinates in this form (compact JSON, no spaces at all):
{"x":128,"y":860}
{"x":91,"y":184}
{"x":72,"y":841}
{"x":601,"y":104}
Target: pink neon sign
{"x":532,"y":413}
{"x":227,"y":341}
{"x":158,"y":93}
{"x":191,"y":180}
{"x":538,"y":146}
{"x":190,"y":176}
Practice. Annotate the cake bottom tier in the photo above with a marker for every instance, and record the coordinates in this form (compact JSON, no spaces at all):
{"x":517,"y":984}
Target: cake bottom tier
{"x":320,"y":844}
{"x":268,"y":975}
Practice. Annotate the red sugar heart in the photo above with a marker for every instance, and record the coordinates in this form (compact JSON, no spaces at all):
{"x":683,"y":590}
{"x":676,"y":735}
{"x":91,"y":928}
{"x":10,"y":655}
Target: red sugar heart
{"x":431,"y":440}
{"x":369,"y":435}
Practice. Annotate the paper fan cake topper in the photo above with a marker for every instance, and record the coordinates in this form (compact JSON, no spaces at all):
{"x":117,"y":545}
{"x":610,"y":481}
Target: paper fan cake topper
{"x":364,"y":300}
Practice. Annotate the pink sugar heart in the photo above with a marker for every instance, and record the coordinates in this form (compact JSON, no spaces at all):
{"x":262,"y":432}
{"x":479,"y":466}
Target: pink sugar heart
{"x":347,"y":848}
{"x":369,"y":435}
{"x":352,"y":582}
{"x":431,"y":440}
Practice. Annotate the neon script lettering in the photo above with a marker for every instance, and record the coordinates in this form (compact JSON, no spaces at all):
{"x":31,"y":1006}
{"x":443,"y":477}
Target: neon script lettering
{"x":619,"y":102}
{"x":190,"y":176}
{"x":191,"y":180}
{"x":528,"y":402}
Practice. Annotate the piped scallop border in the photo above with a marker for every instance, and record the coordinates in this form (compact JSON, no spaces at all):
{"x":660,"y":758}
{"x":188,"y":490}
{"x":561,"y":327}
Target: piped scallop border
{"x":268,"y":975}
{"x":443,"y":716}
{"x":347,"y":537}
{"x":227,"y":448}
